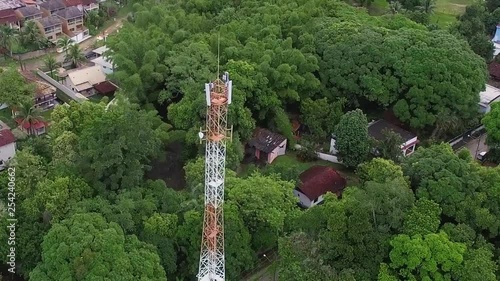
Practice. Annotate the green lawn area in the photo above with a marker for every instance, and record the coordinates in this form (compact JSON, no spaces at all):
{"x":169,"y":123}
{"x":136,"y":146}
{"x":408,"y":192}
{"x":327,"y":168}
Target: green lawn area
{"x":46,"y":114}
{"x":378,"y":7}
{"x":446,"y":11}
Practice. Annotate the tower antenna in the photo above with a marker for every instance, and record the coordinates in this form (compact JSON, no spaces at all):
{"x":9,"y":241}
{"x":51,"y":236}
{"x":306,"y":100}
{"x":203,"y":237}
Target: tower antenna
{"x":218,"y":54}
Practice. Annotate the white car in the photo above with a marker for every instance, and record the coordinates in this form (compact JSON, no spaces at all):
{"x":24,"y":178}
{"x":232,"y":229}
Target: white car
{"x":481,"y":156}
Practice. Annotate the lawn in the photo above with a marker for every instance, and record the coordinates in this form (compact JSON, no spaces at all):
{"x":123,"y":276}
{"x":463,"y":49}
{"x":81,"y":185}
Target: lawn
{"x":446,"y":11}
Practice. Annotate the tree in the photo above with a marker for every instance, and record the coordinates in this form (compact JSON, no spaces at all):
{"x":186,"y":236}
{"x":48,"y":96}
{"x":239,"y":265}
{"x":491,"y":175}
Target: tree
{"x":377,"y":76}
{"x":85,"y":246}
{"x":29,"y":114}
{"x":379,"y":170}
{"x":50,"y":63}
{"x":15,"y":90}
{"x":30,"y":34}
{"x":423,"y":218}
{"x":75,"y":55}
{"x":321,"y":116}
{"x":8,"y":37}
{"x":352,"y":138}
{"x":492,"y":125}
{"x":65,"y":43}
{"x":428,"y":257}
{"x":389,"y":147}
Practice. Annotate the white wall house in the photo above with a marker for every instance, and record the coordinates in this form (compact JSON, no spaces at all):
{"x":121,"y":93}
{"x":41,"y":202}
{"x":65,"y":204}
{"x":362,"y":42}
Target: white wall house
{"x":106,"y":65}
{"x":377,"y":128}
{"x":7,"y":147}
{"x":315,"y":182}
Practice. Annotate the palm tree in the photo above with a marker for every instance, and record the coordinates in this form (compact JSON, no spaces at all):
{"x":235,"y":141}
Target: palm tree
{"x":395,"y":7}
{"x":31,"y":34}
{"x":8,"y":37}
{"x":50,"y":63}
{"x":427,"y":6}
{"x":64,"y":43}
{"x":74,"y":55}
{"x":27,"y":112}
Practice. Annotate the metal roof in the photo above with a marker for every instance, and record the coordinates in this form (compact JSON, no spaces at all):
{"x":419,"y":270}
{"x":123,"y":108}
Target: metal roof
{"x":489,"y":95}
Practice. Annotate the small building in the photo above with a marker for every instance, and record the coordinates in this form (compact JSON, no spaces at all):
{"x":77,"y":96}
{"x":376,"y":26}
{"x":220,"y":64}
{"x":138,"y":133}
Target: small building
{"x":51,"y":7}
{"x":106,"y":65}
{"x":487,"y":97}
{"x":106,"y":88}
{"x":315,"y":182}
{"x":83,"y":80}
{"x":7,"y":147}
{"x":267,"y":145}
{"x":72,"y":24}
{"x":494,"y":70}
{"x":28,"y":13}
{"x":45,"y":94}
{"x":50,"y":27}
{"x":376,"y":131}
{"x":9,"y":17}
{"x":36,"y":128}
{"x":83,"y":5}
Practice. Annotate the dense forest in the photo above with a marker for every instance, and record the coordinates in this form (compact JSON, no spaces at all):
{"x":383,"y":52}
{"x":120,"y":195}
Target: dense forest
{"x":86,"y":210}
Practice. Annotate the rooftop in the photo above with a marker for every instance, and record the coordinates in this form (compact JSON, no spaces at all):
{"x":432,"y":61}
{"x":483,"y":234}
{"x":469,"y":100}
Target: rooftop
{"x":53,"y":5}
{"x":103,"y":62}
{"x":8,"y":16}
{"x":100,"y":50}
{"x":265,"y":140}
{"x":105,"y":88}
{"x":72,"y":3}
{"x":376,"y":129}
{"x":489,"y":95}
{"x":29,"y":11}
{"x":494,"y":70}
{"x":92,"y":75}
{"x":49,"y":21}
{"x":318,"y":180}
{"x":10,"y":4}
{"x":41,"y":87}
{"x":6,"y":137}
{"x":70,"y":13}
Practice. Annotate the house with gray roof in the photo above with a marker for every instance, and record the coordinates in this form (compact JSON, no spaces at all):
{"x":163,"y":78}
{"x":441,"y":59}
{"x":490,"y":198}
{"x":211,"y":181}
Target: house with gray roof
{"x":51,"y":7}
{"x":28,"y":13}
{"x":72,"y":24}
{"x":50,"y":27}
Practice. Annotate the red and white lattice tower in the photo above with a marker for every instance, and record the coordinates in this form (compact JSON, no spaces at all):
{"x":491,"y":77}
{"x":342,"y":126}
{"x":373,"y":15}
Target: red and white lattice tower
{"x":216,"y":135}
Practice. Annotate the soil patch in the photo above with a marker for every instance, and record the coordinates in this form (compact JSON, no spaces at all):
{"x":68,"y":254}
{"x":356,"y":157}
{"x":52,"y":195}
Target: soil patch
{"x":170,"y":169}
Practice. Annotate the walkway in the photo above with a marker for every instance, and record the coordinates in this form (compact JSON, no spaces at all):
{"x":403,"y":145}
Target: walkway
{"x":84,"y":46}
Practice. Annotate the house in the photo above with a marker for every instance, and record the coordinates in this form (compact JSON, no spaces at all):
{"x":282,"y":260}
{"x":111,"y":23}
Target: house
{"x":7,"y":147}
{"x":487,"y":97}
{"x":72,"y":24}
{"x":267,"y":145}
{"x":9,"y":17}
{"x":50,"y":27}
{"x":36,"y":128}
{"x":99,"y":52}
{"x":45,"y":94}
{"x":315,"y":182}
{"x":28,"y":13}
{"x":51,"y":7}
{"x":494,"y":70}
{"x":106,"y":65}
{"x":83,"y":5}
{"x":83,"y":80}
{"x":106,"y":88}
{"x":10,"y":4}
{"x":376,"y":131}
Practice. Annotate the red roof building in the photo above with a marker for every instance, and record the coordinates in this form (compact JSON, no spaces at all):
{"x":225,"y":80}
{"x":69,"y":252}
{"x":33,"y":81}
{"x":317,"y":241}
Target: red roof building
{"x":494,"y":70}
{"x":105,"y":88}
{"x":316,"y":182}
{"x":9,"y":17}
{"x":6,"y":137}
{"x":38,"y":127}
{"x":8,"y":145}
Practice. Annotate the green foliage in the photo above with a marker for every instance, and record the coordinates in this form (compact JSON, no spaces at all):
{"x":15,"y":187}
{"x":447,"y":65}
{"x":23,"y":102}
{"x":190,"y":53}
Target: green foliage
{"x":390,"y":146}
{"x":379,"y":170}
{"x":423,"y":218}
{"x":15,"y":90}
{"x":85,"y":246}
{"x":352,"y":138}
{"x":428,"y":257}
{"x":492,"y":125}
{"x":321,"y":116}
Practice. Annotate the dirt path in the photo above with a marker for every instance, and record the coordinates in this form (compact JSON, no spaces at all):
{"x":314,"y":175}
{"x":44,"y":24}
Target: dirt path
{"x":84,"y":46}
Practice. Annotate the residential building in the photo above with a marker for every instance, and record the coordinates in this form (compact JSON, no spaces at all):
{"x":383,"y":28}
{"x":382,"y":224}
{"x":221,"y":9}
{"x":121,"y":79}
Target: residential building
{"x":494,"y":70}
{"x":315,"y":182}
{"x":31,"y":3}
{"x":487,"y":97}
{"x":377,"y":128}
{"x":28,"y":13}
{"x":45,"y":94}
{"x":9,"y":17}
{"x":72,"y":24}
{"x":51,"y":7}
{"x":83,"y":80}
{"x":50,"y":27}
{"x":11,"y":4}
{"x":7,"y":147}
{"x":106,"y":88}
{"x":36,"y":128}
{"x":83,"y":5}
{"x":267,"y":145}
{"x":105,"y":63}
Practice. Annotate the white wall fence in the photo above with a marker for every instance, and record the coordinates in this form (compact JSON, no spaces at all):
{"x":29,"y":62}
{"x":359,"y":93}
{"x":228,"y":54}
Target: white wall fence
{"x":323,"y":156}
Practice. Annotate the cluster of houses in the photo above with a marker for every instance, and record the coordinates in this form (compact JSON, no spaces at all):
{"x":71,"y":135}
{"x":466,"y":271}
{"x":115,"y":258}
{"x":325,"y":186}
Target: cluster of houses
{"x":54,"y":18}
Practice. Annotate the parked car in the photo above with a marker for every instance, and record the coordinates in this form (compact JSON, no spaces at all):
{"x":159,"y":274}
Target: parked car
{"x":482,"y":156}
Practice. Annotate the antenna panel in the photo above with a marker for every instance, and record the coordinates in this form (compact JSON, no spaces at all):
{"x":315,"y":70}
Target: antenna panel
{"x":229,"y":91}
{"x":207,"y":93}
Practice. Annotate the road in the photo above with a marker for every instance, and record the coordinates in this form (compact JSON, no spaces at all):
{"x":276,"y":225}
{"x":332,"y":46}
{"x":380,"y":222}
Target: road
{"x":84,"y":46}
{"x":477,"y":145}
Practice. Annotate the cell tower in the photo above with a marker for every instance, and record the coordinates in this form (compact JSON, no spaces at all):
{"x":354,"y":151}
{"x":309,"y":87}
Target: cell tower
{"x":216,"y":134}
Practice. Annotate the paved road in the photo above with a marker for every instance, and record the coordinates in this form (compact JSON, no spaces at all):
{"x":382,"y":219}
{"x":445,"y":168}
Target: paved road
{"x":84,"y":46}
{"x":477,"y":145}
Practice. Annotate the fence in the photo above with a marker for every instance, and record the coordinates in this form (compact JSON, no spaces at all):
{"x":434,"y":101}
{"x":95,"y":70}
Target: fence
{"x":67,"y":92}
{"x":32,"y":55}
{"x":265,"y":260}
{"x":324,"y":156}
{"x":461,"y":140}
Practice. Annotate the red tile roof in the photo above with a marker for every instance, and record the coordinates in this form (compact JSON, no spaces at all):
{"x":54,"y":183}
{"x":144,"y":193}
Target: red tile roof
{"x":8,"y":16}
{"x":72,"y":3}
{"x":36,"y":124}
{"x":6,"y":137}
{"x":105,"y":88}
{"x":318,"y":180}
{"x":494,"y":70}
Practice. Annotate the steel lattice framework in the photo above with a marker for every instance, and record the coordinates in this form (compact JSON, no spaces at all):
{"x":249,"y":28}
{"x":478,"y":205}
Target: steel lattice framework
{"x":216,"y":135}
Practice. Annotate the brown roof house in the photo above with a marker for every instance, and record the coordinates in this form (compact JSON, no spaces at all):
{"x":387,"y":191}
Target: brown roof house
{"x":51,"y":7}
{"x":316,"y":182}
{"x":28,"y":13}
{"x":50,"y":27}
{"x":83,"y":5}
{"x":267,"y":145}
{"x":45,"y":94}
{"x":8,"y":17}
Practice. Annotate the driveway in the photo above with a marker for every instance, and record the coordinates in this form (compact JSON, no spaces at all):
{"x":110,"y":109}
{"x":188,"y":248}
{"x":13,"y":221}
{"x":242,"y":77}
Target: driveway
{"x":84,"y":46}
{"x":477,"y":145}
